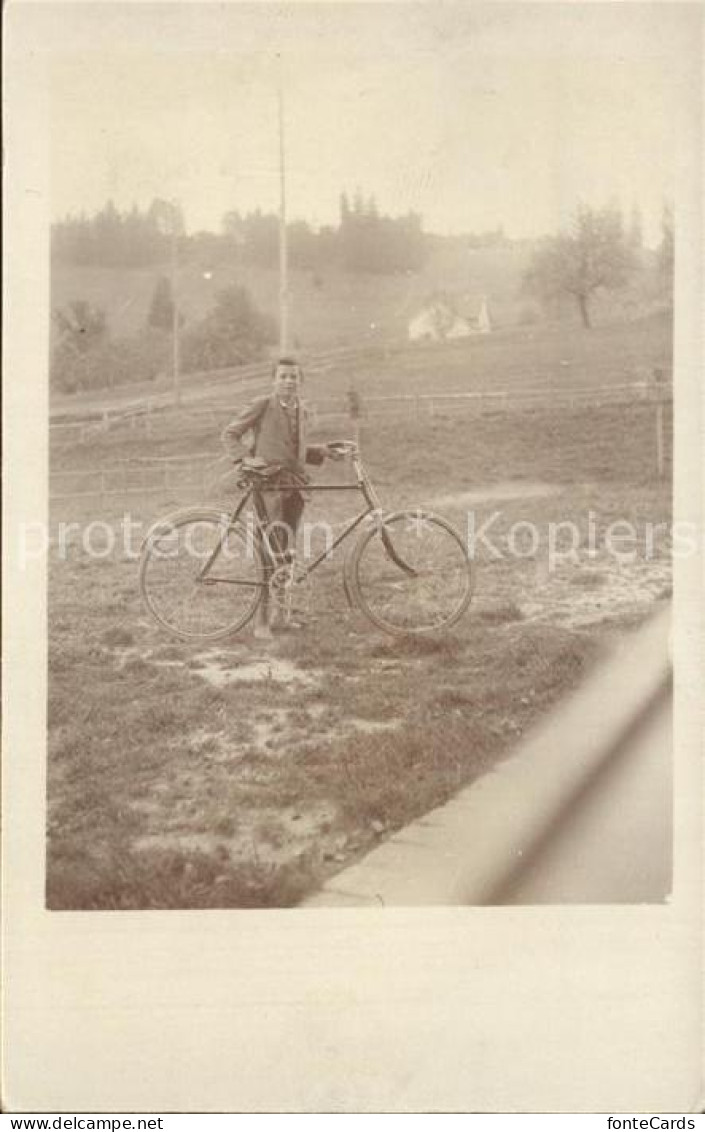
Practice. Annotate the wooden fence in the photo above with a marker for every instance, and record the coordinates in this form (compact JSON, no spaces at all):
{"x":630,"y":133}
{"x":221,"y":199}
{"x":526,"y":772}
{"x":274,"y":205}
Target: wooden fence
{"x":147,"y":476}
{"x":74,"y":412}
{"x":151,"y":418}
{"x":137,"y":478}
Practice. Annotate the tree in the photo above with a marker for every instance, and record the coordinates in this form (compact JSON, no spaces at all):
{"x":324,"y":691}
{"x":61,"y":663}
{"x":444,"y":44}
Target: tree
{"x":595,"y":254}
{"x":107,"y":236}
{"x":232,"y":332}
{"x":206,"y":250}
{"x":233,"y":227}
{"x":165,"y":216}
{"x":303,"y":244}
{"x":369,"y":241}
{"x":114,"y":239}
{"x":161,"y":310}
{"x":111,"y":362}
{"x":81,"y":326}
{"x":82,"y":332}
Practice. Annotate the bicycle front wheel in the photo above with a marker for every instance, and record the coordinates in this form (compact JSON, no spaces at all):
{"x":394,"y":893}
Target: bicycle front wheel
{"x":201,"y":577}
{"x":411,"y":573}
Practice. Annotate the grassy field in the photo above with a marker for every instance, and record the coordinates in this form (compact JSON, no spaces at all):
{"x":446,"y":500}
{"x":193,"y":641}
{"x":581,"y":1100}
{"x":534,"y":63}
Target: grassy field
{"x":559,"y":355}
{"x":232,"y":777}
{"x":556,"y":357}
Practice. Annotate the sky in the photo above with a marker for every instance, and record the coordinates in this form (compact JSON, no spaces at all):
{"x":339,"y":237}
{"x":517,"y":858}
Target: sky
{"x":472,"y":115}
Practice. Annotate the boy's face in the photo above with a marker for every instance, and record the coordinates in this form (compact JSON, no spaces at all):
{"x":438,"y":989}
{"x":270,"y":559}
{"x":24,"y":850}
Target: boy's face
{"x":287,"y":382}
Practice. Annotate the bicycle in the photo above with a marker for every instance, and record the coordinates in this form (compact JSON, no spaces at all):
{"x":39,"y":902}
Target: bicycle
{"x":204,"y":572}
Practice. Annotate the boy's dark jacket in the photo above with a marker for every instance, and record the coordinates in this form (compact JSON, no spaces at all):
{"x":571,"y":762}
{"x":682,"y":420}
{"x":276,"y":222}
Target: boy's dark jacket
{"x":271,"y":434}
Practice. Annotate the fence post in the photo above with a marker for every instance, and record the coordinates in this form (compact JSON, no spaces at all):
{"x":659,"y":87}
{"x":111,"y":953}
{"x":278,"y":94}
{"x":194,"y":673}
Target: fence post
{"x":659,"y":439}
{"x":354,"y":406}
{"x":659,"y":391}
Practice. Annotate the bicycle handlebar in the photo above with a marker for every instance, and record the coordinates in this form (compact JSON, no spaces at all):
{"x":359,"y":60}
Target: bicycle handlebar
{"x":345,"y":447}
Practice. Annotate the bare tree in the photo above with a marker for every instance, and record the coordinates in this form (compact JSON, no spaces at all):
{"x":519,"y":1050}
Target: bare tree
{"x":594,"y":254}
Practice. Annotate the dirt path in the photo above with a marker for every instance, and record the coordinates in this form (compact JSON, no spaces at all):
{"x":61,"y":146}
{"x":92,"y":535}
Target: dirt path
{"x":580,"y":596}
{"x":497,"y":492}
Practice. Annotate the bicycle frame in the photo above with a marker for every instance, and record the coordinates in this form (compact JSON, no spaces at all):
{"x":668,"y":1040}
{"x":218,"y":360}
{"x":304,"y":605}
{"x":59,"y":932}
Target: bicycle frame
{"x":363,"y":485}
{"x":269,"y":567}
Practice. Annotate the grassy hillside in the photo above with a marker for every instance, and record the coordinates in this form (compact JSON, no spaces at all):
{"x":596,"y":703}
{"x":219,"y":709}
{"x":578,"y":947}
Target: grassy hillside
{"x":328,"y":306}
{"x":559,"y":355}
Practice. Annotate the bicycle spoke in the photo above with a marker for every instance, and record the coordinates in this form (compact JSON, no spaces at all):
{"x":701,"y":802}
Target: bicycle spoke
{"x":436,"y":591}
{"x":180,"y":603}
{"x":169,"y":577}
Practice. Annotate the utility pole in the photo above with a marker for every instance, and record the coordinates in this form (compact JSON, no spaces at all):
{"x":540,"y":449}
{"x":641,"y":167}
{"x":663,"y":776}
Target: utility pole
{"x":283,"y":257}
{"x":175,"y":351}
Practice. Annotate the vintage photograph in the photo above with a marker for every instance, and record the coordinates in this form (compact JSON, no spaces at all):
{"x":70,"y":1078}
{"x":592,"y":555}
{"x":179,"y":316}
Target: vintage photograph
{"x":360,"y":537}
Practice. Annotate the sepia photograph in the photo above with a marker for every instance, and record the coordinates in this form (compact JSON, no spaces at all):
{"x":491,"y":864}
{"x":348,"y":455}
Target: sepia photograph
{"x":360,"y":395}
{"x":353,"y":557}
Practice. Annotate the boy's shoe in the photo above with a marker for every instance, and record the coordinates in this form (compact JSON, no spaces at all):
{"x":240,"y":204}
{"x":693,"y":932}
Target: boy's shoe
{"x":277,"y":619}
{"x":262,"y":633}
{"x":292,"y":627}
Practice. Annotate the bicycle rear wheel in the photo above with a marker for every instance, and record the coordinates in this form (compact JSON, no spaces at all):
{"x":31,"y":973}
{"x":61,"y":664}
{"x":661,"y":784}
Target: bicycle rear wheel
{"x":201,"y":578}
{"x":411,"y":574}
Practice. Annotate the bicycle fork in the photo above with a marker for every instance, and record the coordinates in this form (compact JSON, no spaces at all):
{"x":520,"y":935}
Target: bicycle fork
{"x":377,"y":516}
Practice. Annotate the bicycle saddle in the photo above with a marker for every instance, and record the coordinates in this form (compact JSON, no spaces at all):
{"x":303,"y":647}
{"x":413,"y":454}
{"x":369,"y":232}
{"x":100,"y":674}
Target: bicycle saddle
{"x":258,"y":466}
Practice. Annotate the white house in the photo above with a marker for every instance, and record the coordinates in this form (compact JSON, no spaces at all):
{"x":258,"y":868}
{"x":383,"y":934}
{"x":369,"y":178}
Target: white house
{"x":444,"y":318}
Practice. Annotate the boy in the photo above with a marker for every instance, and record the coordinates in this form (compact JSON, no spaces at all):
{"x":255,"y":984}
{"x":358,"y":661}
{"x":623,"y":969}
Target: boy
{"x":277,"y":424}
